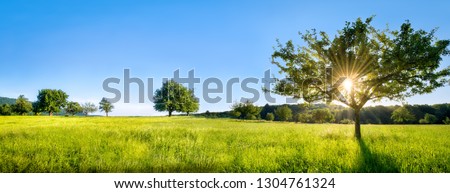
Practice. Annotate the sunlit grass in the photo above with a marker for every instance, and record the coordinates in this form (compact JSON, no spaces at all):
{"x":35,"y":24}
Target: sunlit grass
{"x":185,"y":144}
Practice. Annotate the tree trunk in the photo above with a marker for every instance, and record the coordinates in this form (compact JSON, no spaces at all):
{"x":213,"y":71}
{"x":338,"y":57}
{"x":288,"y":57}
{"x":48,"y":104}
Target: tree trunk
{"x":50,"y":113}
{"x":187,"y":113}
{"x":106,"y":114}
{"x":170,"y":113}
{"x":357,"y":124}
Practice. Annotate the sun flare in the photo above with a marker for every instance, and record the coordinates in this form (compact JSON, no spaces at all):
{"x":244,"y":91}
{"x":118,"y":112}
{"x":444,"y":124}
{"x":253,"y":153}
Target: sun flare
{"x":348,"y":84}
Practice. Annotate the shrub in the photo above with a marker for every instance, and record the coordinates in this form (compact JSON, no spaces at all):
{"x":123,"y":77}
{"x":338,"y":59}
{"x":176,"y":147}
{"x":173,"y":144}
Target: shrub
{"x":250,"y":117}
{"x":346,"y":121}
{"x":283,"y":113}
{"x":446,"y":121}
{"x":270,"y":117}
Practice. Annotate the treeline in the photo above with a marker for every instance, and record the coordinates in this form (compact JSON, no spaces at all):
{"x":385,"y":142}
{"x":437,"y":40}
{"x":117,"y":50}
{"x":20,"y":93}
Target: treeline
{"x":322,"y":113}
{"x":50,"y":102}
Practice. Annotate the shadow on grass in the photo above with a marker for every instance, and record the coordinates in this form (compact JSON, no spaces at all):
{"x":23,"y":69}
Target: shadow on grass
{"x":375,"y":162}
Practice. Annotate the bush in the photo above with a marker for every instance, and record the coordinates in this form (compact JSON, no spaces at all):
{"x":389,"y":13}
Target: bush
{"x":346,"y":121}
{"x":245,"y":110}
{"x":250,"y":117}
{"x":270,"y":117}
{"x":5,"y":109}
{"x":428,"y":119}
{"x":446,"y":121}
{"x":283,"y":113}
{"x":305,"y":117}
{"x":298,"y":117}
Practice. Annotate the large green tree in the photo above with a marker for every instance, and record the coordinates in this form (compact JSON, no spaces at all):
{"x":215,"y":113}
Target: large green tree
{"x":51,"y":100}
{"x":22,"y":106}
{"x":105,"y":106}
{"x":375,"y":64}
{"x":174,"y":97}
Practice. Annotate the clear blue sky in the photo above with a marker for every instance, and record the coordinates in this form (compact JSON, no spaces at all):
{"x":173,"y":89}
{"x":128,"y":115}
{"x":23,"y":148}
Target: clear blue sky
{"x":75,"y":45}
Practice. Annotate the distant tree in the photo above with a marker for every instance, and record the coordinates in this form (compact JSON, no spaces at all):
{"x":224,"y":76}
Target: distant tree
{"x":235,"y":114}
{"x":305,"y":117}
{"x":22,"y":106}
{"x":376,"y":64}
{"x":270,"y":117}
{"x":51,"y":101}
{"x":402,"y":115}
{"x":245,"y":110}
{"x":283,"y":113}
{"x":298,"y":117}
{"x":446,"y":121}
{"x":36,"y":109}
{"x":346,"y":121}
{"x":174,"y":97}
{"x":250,"y":117}
{"x":428,"y":119}
{"x":190,"y":103}
{"x":5,"y":109}
{"x":322,"y":115}
{"x":73,"y":108}
{"x":88,"y":108}
{"x":106,"y":106}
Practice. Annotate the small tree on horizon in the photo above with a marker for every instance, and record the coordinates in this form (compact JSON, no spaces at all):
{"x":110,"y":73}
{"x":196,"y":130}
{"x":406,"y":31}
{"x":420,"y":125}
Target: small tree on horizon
{"x":402,"y":115}
{"x":22,"y":106}
{"x":270,"y":117}
{"x":105,"y":106}
{"x":190,"y":104}
{"x":428,"y":119}
{"x":73,"y":108}
{"x":88,"y":107}
{"x":283,"y":113}
{"x":246,"y":110}
{"x":322,"y":115}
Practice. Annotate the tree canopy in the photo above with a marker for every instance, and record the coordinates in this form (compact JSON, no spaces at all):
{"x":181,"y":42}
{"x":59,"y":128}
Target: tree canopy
{"x":88,"y":108}
{"x":51,"y":100}
{"x":22,"y":106}
{"x":283,"y":113}
{"x":402,"y":115}
{"x":374,"y":64}
{"x":105,"y":106}
{"x":246,"y":110}
{"x":174,"y":97}
{"x":73,"y":108}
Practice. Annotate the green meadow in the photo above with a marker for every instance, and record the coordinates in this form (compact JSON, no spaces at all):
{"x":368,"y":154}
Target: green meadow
{"x":188,"y":144}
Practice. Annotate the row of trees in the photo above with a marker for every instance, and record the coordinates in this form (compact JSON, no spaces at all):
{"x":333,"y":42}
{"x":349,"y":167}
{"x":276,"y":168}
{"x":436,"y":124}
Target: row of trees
{"x":322,"y":113}
{"x":53,"y":101}
{"x":249,"y":111}
{"x":171,"y":97}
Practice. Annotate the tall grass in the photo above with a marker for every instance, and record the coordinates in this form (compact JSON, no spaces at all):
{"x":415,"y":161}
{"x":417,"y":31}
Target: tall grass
{"x":185,"y":144}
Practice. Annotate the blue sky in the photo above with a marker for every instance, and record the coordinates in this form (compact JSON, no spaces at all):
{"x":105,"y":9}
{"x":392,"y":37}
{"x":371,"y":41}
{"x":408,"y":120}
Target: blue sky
{"x":76,"y":45}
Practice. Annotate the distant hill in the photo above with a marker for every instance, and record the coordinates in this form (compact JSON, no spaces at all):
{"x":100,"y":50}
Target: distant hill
{"x":5,"y":100}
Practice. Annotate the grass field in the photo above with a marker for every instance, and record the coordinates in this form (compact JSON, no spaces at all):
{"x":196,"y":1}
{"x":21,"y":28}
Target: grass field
{"x":185,"y":144}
